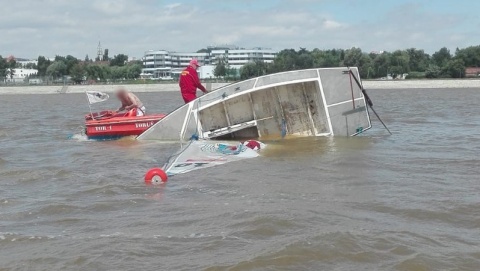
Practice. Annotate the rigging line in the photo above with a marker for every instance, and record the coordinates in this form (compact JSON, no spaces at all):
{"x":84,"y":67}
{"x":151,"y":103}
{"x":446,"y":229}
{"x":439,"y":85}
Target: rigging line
{"x":381,"y":121}
{"x":369,"y":101}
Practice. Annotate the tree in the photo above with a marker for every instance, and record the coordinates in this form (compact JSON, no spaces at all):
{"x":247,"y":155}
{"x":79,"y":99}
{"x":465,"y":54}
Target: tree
{"x":365,"y":66}
{"x":220,"y":69}
{"x":396,"y":71}
{"x":77,"y":73}
{"x":400,"y":61}
{"x":352,"y":57}
{"x":133,"y":71}
{"x":454,"y":68}
{"x":286,"y":60}
{"x":3,"y":68}
{"x":105,"y":55}
{"x":70,"y":62}
{"x":11,"y":65}
{"x":97,"y":72}
{"x":106,"y":72}
{"x":381,"y":64}
{"x":470,"y":56}
{"x":130,"y":71}
{"x":232,"y":73}
{"x":304,"y":59}
{"x":119,"y":60}
{"x":356,"y":58}
{"x":253,"y":69}
{"x":418,"y":60}
{"x":42,"y":65}
{"x":248,"y":71}
{"x":60,"y":58}
{"x":433,"y":71}
{"x":441,"y":57}
{"x":117,"y":72}
{"x":326,"y":59}
{"x":57,"y":69}
{"x":87,"y":59}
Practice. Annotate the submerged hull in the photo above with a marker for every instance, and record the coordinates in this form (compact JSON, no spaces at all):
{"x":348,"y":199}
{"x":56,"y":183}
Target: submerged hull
{"x":317,"y":102}
{"x":119,"y":126}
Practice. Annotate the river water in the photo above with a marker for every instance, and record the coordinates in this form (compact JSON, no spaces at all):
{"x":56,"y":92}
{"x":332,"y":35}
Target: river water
{"x":410,"y":201}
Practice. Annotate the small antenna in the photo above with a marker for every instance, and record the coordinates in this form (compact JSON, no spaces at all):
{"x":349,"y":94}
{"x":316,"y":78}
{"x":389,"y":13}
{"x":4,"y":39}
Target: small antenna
{"x":99,"y":51}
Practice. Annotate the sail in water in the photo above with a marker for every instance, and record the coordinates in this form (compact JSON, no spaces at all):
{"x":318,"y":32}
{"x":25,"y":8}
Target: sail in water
{"x":204,"y":154}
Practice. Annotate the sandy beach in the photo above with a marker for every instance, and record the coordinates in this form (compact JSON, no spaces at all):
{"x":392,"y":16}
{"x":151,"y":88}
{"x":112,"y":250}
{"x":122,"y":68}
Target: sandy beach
{"x":399,"y":84}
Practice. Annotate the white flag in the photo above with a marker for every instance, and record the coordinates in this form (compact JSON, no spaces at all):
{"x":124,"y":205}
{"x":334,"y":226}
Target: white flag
{"x":96,"y":97}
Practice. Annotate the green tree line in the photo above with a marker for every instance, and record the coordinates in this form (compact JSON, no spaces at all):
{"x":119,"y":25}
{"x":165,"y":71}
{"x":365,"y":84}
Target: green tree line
{"x":116,"y":68}
{"x":414,"y":62}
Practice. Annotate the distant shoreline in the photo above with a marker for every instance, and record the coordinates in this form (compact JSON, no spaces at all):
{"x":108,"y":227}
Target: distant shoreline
{"x":368,"y":84}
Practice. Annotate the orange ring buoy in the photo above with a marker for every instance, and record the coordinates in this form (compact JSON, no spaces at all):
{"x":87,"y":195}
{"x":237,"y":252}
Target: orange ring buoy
{"x":156,"y":176}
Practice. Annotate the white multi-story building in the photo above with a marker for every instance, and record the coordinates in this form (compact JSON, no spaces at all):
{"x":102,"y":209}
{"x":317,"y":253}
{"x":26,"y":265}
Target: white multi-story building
{"x":237,"y":58}
{"x":157,"y":65}
{"x":164,"y":65}
{"x":20,"y":75}
{"x":25,"y":62}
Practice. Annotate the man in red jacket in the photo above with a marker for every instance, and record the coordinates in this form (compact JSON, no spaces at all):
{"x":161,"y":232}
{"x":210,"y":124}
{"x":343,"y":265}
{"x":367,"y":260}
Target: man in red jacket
{"x":189,"y":82}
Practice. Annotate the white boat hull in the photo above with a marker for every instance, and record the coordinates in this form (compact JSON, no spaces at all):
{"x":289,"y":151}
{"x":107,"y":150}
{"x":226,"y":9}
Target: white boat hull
{"x":317,"y":102}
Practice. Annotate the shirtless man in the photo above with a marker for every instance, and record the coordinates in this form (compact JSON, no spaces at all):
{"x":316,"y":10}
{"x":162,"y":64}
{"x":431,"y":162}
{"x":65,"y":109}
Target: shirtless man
{"x":129,"y":101}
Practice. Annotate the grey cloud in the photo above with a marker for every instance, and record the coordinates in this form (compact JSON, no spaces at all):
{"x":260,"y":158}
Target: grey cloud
{"x":47,"y":27}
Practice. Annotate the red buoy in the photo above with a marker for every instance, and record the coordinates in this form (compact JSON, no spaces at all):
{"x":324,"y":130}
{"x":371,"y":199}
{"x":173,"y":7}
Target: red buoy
{"x":156,"y":176}
{"x":253,"y":144}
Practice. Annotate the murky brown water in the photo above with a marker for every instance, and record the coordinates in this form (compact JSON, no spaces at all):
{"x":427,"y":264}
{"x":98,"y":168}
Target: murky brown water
{"x":410,"y":201}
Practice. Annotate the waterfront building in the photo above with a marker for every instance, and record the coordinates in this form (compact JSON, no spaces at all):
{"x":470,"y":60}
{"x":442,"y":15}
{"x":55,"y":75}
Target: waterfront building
{"x":20,"y":75}
{"x":472,"y":72}
{"x":237,"y":58}
{"x":165,"y":65}
{"x":24,"y":62}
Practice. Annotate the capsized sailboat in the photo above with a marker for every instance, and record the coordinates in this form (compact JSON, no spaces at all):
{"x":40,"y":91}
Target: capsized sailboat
{"x":315,"y":102}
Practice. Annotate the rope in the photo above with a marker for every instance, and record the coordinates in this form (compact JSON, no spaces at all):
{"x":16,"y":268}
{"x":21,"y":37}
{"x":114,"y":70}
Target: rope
{"x":369,"y":101}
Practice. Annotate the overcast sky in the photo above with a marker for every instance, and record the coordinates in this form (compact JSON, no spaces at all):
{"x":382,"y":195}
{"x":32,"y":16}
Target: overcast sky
{"x":29,"y":28}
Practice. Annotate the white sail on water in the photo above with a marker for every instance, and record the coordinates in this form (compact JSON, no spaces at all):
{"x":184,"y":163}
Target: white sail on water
{"x":204,"y":154}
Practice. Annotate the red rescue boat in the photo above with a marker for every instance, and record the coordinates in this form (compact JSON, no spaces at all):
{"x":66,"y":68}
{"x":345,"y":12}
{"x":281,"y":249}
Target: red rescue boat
{"x":107,"y":125}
